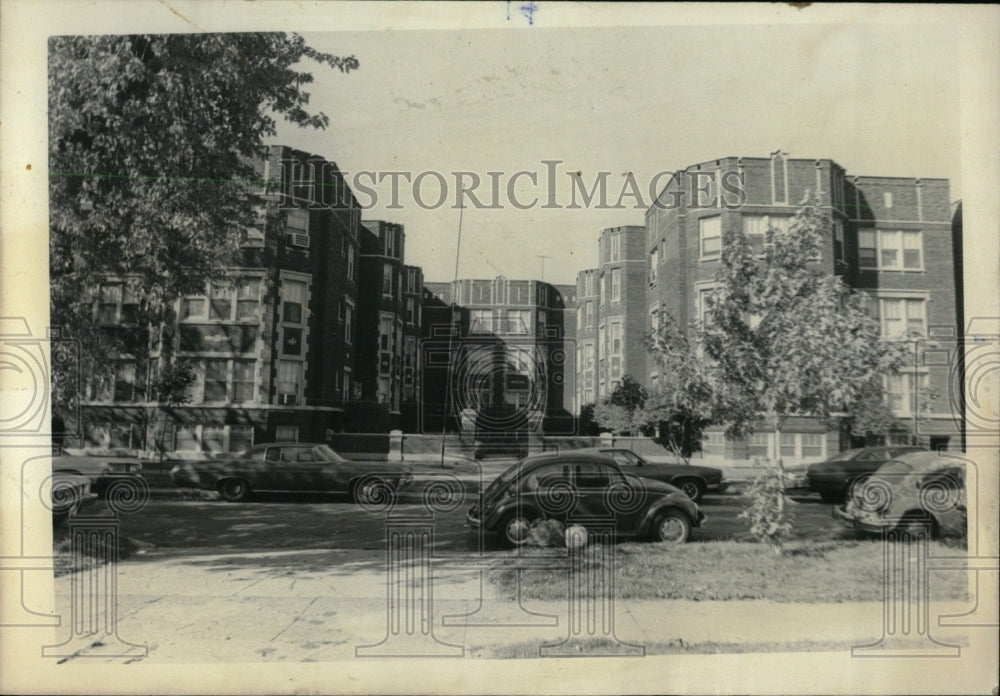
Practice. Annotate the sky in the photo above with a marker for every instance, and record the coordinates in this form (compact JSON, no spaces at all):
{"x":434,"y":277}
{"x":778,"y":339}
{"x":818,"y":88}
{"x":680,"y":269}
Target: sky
{"x":877,"y":99}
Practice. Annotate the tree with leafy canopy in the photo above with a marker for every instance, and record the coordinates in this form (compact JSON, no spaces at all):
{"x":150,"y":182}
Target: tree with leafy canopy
{"x":622,"y":411}
{"x":782,"y":338}
{"x":153,"y":141}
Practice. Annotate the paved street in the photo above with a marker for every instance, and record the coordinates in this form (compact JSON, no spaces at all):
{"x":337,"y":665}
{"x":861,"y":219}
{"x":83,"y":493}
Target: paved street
{"x":334,"y":522}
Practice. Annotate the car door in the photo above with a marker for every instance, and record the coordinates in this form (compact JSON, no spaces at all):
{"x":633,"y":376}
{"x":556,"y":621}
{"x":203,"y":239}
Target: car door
{"x":300,"y":469}
{"x":550,"y":490}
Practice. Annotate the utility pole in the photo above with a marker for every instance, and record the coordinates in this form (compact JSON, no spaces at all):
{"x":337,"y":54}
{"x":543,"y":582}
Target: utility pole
{"x":542,"y":257}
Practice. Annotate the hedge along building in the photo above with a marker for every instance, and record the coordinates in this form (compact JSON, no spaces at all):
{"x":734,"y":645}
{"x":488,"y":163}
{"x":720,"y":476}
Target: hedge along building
{"x":275,"y":351}
{"x":889,"y":237}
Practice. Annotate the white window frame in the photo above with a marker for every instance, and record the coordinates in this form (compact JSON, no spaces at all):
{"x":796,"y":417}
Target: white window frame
{"x":703,"y":224}
{"x":348,"y":321}
{"x":616,"y":285}
{"x":882,"y":244}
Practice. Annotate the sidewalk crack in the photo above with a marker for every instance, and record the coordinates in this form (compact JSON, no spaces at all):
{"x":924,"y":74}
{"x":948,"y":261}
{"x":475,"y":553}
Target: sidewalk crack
{"x":294,"y":620}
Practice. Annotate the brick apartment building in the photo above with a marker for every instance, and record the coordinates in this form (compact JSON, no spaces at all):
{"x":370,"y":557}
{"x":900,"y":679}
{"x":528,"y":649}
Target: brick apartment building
{"x":511,"y":372}
{"x":609,"y":329}
{"x":890,"y":237}
{"x":294,"y":338}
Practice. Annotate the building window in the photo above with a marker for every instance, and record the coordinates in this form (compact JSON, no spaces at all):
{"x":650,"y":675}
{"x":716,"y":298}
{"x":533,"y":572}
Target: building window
{"x":389,"y":238}
{"x":185,"y":439}
{"x":243,"y":380}
{"x":298,"y":221}
{"x":902,"y":317}
{"x":411,"y":280}
{"x":616,"y":247}
{"x":347,"y":383}
{"x":616,"y":284}
{"x":348,"y":322}
{"x":289,"y":381}
{"x":481,"y":320}
{"x":117,"y":304}
{"x":788,"y":447}
{"x":213,"y":438}
{"x":758,"y":445}
{"x":590,"y":283}
{"x":891,"y":250}
{"x":813,"y":445}
{"x":124,"y":384}
{"x":838,"y":241}
{"x":654,"y":262}
{"x":887,"y":199}
{"x":386,"y":280}
{"x":703,"y":309}
{"x":755,"y":228}
{"x":351,"y":256}
{"x":193,"y":308}
{"x":240,"y":438}
{"x":411,"y":311}
{"x":220,"y":304}
{"x":902,"y":392}
{"x":286,"y":433}
{"x":710,"y":236}
{"x":867,"y":249}
{"x":216,"y":380}
{"x":713,"y":443}
{"x":385,"y":332}
{"x":247,"y":299}
{"x":590,"y":315}
{"x":518,"y":322}
{"x":616,"y":338}
{"x":293,"y":299}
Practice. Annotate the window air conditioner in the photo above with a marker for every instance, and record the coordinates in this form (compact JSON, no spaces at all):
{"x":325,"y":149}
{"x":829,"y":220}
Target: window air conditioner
{"x":298,"y":240}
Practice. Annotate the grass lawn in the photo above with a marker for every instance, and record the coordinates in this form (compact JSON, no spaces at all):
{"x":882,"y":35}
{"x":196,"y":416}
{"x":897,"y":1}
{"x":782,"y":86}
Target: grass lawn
{"x":805,"y":571}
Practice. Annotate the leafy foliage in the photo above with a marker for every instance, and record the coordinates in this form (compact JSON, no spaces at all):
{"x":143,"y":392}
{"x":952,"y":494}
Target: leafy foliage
{"x":769,"y":519}
{"x":151,"y":145}
{"x":588,"y":426}
{"x":622,"y":411}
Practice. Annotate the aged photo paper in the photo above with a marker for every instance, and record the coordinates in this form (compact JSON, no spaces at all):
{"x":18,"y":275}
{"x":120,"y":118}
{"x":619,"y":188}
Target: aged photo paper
{"x":516,"y":146}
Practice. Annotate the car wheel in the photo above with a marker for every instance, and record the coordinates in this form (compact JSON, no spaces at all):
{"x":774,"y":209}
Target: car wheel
{"x":854,"y":489}
{"x":692,"y":488}
{"x":372,"y":492}
{"x":234,"y":490}
{"x":672,"y":527}
{"x":515,"y":529}
{"x":917,"y":523}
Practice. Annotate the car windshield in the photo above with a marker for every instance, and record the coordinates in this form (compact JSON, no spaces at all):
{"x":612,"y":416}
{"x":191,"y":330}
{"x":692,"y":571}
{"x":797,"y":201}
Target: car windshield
{"x":329,"y":454}
{"x":842,"y":456}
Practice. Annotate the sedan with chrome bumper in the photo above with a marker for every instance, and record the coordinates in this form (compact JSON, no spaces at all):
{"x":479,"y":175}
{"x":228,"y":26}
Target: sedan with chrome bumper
{"x":586,"y":489}
{"x":294,"y":467}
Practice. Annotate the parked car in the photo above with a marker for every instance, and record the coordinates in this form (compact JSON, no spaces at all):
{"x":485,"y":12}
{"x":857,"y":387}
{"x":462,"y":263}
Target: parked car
{"x":580,"y":488}
{"x":837,"y":477}
{"x":694,"y":480}
{"x":70,"y":493}
{"x":293,"y":467}
{"x":916,"y":490}
{"x":101,"y":470}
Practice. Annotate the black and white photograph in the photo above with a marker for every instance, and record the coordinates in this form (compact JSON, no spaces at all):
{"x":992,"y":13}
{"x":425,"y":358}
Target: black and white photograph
{"x":499,"y":347}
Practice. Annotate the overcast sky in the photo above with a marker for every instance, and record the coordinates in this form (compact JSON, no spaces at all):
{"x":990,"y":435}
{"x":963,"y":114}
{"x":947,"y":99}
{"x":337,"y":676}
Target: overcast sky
{"x":879,"y":100}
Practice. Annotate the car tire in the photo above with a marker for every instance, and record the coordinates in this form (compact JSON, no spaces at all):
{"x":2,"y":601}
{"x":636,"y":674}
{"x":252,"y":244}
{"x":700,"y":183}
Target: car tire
{"x":515,"y":529}
{"x":854,"y":487}
{"x":916,"y":522}
{"x":235,"y":490}
{"x":672,"y":527}
{"x":692,"y":488}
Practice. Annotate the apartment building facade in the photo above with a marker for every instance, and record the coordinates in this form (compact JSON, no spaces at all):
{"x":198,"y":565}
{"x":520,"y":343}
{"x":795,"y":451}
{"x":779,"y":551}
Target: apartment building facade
{"x":611,"y":318}
{"x":506,"y":369}
{"x":275,"y":347}
{"x":889,"y":237}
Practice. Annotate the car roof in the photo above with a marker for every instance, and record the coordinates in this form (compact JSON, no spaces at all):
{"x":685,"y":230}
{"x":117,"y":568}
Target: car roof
{"x":926,"y":460}
{"x":571,"y":457}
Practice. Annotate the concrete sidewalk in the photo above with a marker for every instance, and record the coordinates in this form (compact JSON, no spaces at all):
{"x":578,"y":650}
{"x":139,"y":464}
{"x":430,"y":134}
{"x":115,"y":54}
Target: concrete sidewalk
{"x":301,"y":606}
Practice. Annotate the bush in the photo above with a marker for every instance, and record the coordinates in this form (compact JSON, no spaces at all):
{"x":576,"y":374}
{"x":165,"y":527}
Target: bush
{"x":769,"y":518}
